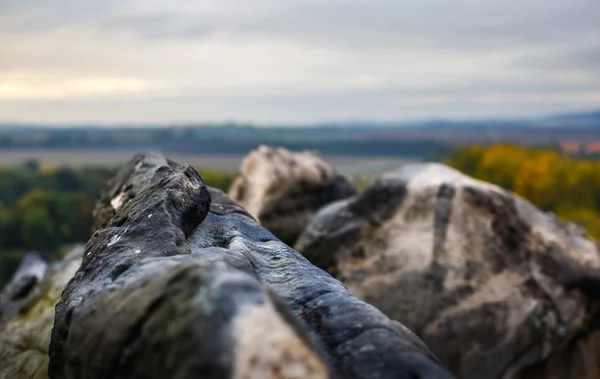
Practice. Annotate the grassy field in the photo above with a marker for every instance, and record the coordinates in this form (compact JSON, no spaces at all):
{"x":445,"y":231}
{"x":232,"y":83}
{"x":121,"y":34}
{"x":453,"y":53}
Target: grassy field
{"x":223,"y":163}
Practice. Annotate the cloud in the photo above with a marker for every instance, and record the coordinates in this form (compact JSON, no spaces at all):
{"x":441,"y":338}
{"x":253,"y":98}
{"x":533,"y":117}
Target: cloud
{"x":582,"y":57}
{"x":283,"y":61}
{"x":27,"y":89}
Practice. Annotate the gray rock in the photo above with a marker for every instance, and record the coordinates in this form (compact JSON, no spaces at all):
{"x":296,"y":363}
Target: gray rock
{"x":126,"y":184}
{"x":496,"y":288}
{"x":283,"y":190}
{"x":27,"y":314}
{"x":183,"y":283}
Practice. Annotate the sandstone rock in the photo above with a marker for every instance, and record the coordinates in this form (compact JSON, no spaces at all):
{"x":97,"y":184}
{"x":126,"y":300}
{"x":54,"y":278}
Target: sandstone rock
{"x":126,"y":184}
{"x":283,"y":190}
{"x":183,"y":283}
{"x":27,"y":313}
{"x":496,"y":288}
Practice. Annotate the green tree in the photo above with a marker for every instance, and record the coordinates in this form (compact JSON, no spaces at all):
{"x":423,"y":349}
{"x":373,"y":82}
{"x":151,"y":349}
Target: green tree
{"x":67,"y":180}
{"x":38,"y":232}
{"x":32,"y":164}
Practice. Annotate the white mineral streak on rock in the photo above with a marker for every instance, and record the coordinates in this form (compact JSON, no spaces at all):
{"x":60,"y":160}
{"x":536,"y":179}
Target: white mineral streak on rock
{"x":267,"y":348}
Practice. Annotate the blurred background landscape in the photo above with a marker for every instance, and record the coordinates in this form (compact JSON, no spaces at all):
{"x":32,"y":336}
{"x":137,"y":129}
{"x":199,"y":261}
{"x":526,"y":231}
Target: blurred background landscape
{"x":50,"y":178}
{"x":505,"y":91}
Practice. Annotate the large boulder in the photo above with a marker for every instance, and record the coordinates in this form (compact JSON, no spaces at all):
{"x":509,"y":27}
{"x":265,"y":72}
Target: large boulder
{"x":283,"y":190}
{"x":181,"y":282}
{"x":496,"y":288}
{"x":27,"y":314}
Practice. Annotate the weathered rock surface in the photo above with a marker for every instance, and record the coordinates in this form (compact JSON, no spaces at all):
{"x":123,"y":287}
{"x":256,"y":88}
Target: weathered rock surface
{"x":183,"y":283}
{"x":283,"y":190}
{"x":126,"y":184}
{"x":495,"y":287}
{"x":27,"y":314}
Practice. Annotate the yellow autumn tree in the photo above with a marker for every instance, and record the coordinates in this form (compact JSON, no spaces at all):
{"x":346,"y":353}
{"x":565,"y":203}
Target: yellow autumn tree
{"x":539,"y":179}
{"x":500,"y":164}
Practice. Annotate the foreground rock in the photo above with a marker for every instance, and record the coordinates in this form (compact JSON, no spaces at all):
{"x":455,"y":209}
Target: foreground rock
{"x":183,"y":283}
{"x":27,"y":313}
{"x":283,"y":190}
{"x":495,"y":287}
{"x":126,"y":185}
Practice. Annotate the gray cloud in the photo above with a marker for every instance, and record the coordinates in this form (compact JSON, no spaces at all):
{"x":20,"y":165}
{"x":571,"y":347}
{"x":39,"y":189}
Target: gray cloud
{"x":457,"y":24}
{"x":35,"y":16}
{"x":290,"y":60}
{"x":287,"y":109}
{"x":583,"y":56}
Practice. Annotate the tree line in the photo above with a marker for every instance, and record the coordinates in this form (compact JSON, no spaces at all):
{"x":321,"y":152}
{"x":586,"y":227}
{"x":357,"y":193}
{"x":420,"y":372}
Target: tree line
{"x":564,"y":185}
{"x":46,"y":208}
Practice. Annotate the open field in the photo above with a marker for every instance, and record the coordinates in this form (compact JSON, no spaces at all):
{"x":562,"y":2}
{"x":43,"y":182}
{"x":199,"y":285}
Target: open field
{"x":224,"y":163}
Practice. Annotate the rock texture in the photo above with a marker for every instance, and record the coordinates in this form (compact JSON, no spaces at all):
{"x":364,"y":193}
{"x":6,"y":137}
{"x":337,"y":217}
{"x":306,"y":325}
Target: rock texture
{"x":27,"y":313}
{"x":283,"y":190}
{"x":126,"y":184}
{"x":181,"y":282}
{"x":494,"y":286}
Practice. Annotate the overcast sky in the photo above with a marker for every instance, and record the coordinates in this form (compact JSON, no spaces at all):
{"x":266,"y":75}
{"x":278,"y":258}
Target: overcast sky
{"x":294,"y":61}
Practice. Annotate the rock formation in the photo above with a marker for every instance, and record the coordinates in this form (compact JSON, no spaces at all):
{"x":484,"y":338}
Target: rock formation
{"x":27,"y":313}
{"x":496,"y":288}
{"x":178,"y":281}
{"x":283,"y":190}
